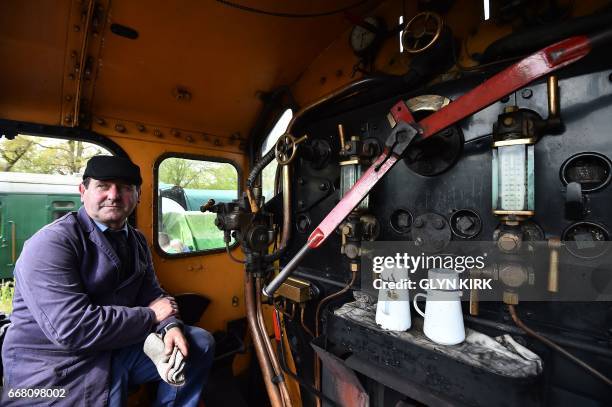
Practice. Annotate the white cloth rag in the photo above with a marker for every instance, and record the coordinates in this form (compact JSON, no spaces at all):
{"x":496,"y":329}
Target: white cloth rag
{"x":170,"y":367}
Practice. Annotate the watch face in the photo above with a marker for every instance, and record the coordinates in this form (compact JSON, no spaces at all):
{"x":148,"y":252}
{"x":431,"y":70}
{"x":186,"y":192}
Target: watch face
{"x":361,"y":38}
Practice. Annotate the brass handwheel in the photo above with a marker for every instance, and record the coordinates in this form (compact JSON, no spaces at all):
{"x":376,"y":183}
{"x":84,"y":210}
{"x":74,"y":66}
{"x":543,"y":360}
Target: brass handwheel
{"x":285,"y":148}
{"x":421,"y":32}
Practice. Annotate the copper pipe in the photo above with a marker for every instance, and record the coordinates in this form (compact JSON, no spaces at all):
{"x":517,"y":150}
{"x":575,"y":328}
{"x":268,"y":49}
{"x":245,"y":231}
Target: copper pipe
{"x":282,"y":385}
{"x":308,"y":331}
{"x":258,"y":343}
{"x":317,"y":362}
{"x":284,"y":311}
{"x":556,"y":347}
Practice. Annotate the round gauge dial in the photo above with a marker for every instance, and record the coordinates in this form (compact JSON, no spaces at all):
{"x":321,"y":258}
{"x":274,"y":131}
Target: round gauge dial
{"x":365,"y":38}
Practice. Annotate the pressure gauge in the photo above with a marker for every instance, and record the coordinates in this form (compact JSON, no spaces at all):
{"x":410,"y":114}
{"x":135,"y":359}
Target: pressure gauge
{"x":366,"y":38}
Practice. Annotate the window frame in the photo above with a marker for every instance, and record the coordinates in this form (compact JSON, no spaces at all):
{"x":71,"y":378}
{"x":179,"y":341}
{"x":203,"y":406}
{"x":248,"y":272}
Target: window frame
{"x":154,"y":239}
{"x":10,"y":129}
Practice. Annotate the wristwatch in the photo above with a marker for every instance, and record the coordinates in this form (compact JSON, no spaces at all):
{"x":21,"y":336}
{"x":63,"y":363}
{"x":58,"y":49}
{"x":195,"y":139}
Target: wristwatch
{"x":168,"y":327}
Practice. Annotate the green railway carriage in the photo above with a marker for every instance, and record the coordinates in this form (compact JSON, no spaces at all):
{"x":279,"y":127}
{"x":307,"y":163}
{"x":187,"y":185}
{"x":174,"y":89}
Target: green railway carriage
{"x":27,"y":203}
{"x":30,"y":201}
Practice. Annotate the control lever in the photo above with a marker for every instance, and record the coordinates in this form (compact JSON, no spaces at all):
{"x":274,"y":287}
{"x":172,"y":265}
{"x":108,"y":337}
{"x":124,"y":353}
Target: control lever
{"x":516,"y":76}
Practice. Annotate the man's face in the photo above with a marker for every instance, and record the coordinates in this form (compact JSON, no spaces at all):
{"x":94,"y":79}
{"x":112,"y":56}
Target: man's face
{"x":109,"y":202}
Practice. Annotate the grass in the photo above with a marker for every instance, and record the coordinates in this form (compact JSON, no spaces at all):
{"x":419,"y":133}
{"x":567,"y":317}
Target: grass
{"x":6,"y":296}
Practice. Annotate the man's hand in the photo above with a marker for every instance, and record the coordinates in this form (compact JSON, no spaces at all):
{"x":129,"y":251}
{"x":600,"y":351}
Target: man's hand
{"x":163,"y":307}
{"x":174,"y":337}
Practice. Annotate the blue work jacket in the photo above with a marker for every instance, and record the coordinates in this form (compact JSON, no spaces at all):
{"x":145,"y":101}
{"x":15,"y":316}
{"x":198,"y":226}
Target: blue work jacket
{"x":69,"y":311}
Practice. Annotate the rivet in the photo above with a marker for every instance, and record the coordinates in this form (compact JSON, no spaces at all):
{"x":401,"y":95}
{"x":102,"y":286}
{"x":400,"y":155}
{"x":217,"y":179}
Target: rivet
{"x":141,"y":128}
{"x":120,"y":128}
{"x":508,"y":121}
{"x":77,"y":28}
{"x":175,"y":133}
{"x":189,"y":139}
{"x":526,"y":93}
{"x":100,"y":121}
{"x":505,"y":99}
{"x":68,"y":118}
{"x":68,"y":98}
{"x":217,"y":142}
{"x":71,"y":77}
{"x":157,"y":133}
{"x":73,"y":54}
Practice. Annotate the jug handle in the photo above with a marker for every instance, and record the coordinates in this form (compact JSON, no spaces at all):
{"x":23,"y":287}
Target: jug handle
{"x":416,"y":307}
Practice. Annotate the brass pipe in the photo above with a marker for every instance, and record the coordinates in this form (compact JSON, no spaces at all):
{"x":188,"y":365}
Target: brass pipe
{"x":553,"y":97}
{"x":474,"y":297}
{"x":553,"y":264}
{"x":341,"y":136}
{"x":556,"y":347}
{"x":286,"y":182}
{"x":317,"y":361}
{"x":282,"y":385}
{"x":260,"y":351}
{"x":325,"y":98}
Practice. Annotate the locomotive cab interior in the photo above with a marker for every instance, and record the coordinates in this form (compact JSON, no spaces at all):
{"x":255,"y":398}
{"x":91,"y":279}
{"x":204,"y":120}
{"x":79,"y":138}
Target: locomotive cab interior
{"x":300,"y":160}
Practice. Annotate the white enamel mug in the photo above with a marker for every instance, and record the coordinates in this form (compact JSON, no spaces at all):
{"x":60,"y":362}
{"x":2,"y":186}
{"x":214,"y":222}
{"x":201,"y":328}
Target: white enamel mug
{"x":393,"y":307}
{"x":443,"y":316}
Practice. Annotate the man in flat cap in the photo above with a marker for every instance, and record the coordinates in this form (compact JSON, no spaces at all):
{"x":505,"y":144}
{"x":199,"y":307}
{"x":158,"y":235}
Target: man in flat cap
{"x":86,"y":297}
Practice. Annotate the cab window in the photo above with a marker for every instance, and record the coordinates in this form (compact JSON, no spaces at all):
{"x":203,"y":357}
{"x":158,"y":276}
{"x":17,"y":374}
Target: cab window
{"x":184,"y":185}
{"x":268,"y":175}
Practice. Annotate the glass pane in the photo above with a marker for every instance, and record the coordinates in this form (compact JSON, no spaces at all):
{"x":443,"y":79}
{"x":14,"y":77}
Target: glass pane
{"x":184,"y":186}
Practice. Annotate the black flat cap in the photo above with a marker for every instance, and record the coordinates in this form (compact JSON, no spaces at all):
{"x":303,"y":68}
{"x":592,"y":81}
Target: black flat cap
{"x":105,"y":167}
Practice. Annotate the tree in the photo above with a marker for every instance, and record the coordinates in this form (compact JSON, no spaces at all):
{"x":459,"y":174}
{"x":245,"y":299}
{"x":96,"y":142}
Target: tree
{"x":12,"y":151}
{"x":177,"y":171}
{"x":46,"y":155}
{"x":198,"y":174}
